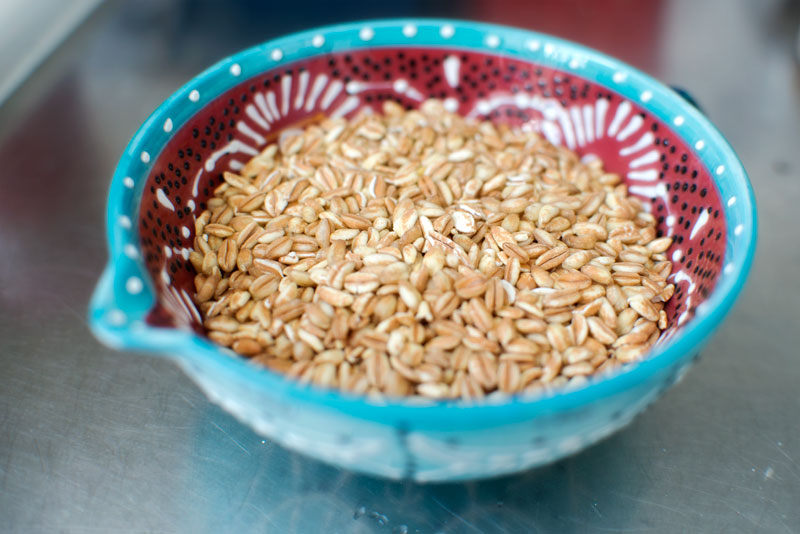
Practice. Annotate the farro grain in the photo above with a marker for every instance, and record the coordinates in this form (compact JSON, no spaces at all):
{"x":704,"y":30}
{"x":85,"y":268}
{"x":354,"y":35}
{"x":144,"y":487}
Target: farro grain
{"x":416,"y":252}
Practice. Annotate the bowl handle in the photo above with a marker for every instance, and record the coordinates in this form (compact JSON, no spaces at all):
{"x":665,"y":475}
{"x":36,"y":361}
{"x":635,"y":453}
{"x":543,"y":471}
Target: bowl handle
{"x":127,"y":330}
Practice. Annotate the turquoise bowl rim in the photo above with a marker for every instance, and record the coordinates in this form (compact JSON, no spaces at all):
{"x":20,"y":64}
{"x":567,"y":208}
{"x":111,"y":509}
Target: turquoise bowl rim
{"x":125,"y":292}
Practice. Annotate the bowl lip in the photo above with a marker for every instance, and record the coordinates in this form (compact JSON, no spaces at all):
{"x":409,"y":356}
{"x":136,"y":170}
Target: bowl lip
{"x":118,"y":305}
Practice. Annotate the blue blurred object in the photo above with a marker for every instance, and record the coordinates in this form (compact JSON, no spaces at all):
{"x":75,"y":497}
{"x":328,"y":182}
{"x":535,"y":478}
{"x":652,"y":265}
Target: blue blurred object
{"x":687,"y":96}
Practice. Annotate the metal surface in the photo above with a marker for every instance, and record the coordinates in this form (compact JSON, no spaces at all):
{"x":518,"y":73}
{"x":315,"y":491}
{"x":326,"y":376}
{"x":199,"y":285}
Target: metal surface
{"x":98,"y":441}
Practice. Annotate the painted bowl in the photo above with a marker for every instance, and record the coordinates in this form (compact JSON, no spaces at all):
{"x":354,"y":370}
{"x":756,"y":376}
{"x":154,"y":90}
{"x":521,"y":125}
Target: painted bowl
{"x":665,"y":149}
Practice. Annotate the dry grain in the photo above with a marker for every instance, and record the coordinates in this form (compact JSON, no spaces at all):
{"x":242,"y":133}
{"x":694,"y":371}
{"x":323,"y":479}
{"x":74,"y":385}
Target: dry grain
{"x":421,"y":253}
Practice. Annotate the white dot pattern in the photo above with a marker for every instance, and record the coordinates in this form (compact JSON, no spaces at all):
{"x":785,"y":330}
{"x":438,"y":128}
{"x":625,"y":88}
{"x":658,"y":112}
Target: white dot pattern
{"x":131,"y":251}
{"x":116,"y":318}
{"x":366,"y":34}
{"x":134,"y":285}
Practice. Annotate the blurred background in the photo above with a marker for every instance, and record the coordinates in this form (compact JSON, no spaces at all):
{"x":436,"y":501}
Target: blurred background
{"x":97,"y":441}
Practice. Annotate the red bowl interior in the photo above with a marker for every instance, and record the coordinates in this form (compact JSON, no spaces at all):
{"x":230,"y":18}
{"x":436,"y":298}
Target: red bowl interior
{"x":656,"y":163}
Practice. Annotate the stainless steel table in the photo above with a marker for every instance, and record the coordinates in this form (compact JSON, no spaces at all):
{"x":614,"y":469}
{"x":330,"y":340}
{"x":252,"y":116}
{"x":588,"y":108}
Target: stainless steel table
{"x":97,"y":441}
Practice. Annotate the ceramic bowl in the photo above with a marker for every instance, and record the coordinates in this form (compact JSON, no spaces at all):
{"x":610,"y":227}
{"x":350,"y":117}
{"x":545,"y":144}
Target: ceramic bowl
{"x":664,"y":148}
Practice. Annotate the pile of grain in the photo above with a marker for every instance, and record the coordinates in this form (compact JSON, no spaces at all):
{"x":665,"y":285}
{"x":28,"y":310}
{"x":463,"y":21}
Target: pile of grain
{"x":420,"y":253}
